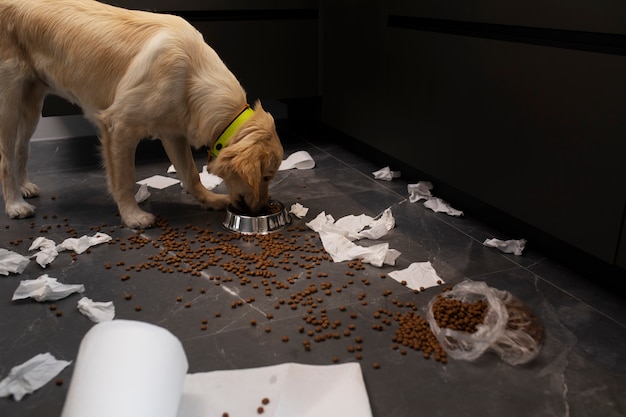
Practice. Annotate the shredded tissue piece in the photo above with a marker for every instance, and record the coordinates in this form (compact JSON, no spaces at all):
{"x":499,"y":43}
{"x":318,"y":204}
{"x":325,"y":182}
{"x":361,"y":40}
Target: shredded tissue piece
{"x":386,"y":174}
{"x":418,"y":275}
{"x":513,"y":246}
{"x":299,"y":210}
{"x":439,"y":206}
{"x":12,"y":262}
{"x":96,"y":311}
{"x":210,"y":181}
{"x":31,"y":375}
{"x":419,"y":191}
{"x":45,"y":288}
{"x":142,"y":193}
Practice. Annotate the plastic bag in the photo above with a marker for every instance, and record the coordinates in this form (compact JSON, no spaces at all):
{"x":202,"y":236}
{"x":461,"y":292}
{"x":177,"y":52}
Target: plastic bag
{"x":509,"y":328}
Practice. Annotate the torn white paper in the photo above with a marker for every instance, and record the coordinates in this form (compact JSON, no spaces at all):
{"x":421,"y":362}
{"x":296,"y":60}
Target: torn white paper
{"x":292,"y":390}
{"x":45,"y":288}
{"x":342,"y":249}
{"x":439,"y":206}
{"x":354,"y":227}
{"x":159,"y":181}
{"x":210,"y":181}
{"x":96,"y":311}
{"x":47,"y":250}
{"x":12,"y":262}
{"x":298,"y":160}
{"x":419,"y":191}
{"x":418,"y":275}
{"x":515,"y":247}
{"x":31,"y":375}
{"x":386,"y":174}
{"x":81,"y":244}
{"x":299,"y":210}
{"x":337,"y":237}
{"x":142,"y":193}
{"x":171,"y":169}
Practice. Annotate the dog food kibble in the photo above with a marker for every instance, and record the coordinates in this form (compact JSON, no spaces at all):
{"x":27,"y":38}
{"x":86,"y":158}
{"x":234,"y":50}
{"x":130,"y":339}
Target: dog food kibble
{"x":457,"y":315}
{"x":260,"y":410}
{"x":58,"y":313}
{"x":137,"y":308}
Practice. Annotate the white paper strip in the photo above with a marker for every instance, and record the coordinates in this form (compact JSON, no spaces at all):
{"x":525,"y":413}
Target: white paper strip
{"x":12,"y":262}
{"x":31,"y":375}
{"x":45,"y":288}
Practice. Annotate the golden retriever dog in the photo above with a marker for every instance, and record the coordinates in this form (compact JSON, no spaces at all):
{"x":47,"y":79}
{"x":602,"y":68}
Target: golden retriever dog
{"x":135,"y":75}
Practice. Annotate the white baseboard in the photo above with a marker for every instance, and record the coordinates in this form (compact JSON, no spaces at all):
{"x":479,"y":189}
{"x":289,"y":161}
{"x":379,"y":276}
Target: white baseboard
{"x":62,"y":127}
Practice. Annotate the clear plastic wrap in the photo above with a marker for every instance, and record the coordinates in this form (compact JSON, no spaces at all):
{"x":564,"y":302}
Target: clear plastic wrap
{"x":509,"y":327}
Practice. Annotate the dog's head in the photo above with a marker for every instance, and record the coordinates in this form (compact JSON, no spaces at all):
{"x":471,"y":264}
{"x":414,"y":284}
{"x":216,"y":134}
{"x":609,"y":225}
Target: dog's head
{"x":250,"y":162}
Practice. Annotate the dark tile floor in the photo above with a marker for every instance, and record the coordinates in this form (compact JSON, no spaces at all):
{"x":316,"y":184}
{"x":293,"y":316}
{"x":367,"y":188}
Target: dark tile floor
{"x":581,"y":370}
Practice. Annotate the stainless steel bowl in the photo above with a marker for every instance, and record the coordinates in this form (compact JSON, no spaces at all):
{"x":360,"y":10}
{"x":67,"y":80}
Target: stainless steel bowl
{"x":262,"y":224}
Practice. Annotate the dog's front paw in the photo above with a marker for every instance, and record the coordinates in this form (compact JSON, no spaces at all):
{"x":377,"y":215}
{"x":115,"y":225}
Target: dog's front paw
{"x":29,"y":190}
{"x":19,"y":210}
{"x":138,"y":219}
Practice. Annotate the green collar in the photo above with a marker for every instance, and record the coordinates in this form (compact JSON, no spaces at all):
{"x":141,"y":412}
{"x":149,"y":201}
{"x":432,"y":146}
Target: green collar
{"x":227,"y":134}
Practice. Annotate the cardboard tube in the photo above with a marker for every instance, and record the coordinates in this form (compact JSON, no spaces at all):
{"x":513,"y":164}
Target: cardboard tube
{"x":127,"y":369}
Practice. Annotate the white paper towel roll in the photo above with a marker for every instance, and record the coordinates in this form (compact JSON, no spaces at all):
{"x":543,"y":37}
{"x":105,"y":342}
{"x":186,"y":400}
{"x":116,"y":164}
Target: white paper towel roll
{"x":127,"y":368}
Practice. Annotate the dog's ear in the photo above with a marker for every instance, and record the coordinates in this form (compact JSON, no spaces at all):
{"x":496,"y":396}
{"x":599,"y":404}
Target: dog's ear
{"x":244,"y":159}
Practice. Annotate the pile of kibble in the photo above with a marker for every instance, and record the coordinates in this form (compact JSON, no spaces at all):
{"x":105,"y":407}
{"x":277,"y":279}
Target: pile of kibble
{"x":458,"y":315}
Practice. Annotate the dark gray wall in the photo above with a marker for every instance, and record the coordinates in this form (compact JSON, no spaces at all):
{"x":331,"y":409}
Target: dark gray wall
{"x":511,"y":104}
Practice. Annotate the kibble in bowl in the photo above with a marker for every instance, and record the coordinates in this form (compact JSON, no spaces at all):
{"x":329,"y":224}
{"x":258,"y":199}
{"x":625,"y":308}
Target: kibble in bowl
{"x":272,"y":221}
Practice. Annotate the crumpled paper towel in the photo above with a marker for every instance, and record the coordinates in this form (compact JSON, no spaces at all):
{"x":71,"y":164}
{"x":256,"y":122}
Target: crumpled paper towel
{"x":81,"y":244}
{"x":342,"y":249}
{"x":338,"y":236}
{"x":298,"y":160}
{"x":422,"y":191}
{"x":45,"y":288}
{"x":418,"y":275}
{"x":439,"y":206}
{"x":507,"y":246}
{"x":419,"y":191}
{"x":299,"y":210}
{"x":386,"y":174}
{"x":48,"y":250}
{"x":31,"y":375}
{"x":355,"y":227}
{"x":96,"y":311}
{"x":142,"y":193}
{"x":12,"y":262}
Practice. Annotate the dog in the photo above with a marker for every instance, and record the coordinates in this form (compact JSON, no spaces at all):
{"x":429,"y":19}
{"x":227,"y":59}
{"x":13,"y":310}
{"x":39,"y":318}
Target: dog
{"x":135,"y":75}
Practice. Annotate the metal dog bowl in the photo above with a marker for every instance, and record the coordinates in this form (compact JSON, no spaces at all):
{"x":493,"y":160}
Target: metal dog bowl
{"x":262,"y":224}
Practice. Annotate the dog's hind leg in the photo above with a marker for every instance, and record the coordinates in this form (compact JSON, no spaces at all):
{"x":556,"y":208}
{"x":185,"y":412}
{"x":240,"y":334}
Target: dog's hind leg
{"x":30,"y":115}
{"x":179,"y":152}
{"x":20,"y":106}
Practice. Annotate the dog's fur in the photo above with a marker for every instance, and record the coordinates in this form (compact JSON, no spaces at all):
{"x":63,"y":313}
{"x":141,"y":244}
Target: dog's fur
{"x":135,"y":75}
